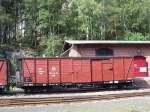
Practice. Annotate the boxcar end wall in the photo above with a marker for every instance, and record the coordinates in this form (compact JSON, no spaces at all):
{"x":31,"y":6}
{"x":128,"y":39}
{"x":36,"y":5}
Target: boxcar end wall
{"x":3,"y":73}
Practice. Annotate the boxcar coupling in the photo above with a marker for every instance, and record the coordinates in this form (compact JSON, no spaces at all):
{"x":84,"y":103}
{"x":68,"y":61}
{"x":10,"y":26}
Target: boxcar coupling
{"x":3,"y":74}
{"x":79,"y":72}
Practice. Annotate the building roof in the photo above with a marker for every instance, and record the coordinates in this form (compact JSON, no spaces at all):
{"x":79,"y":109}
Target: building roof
{"x":104,"y":42}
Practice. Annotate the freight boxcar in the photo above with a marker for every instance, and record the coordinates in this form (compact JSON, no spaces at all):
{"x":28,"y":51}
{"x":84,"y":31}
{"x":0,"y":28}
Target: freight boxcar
{"x":3,"y":74}
{"x":39,"y":73}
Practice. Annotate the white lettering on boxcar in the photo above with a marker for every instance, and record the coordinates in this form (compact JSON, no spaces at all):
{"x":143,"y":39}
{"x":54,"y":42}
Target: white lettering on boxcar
{"x":41,"y":71}
{"x":143,"y":69}
{"x":53,"y":71}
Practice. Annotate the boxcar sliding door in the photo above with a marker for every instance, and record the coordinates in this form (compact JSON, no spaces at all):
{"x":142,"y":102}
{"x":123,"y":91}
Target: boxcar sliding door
{"x":107,"y":69}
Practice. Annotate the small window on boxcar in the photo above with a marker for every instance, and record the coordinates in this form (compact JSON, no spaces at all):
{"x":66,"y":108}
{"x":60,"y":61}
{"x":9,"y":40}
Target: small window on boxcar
{"x":104,"y":52}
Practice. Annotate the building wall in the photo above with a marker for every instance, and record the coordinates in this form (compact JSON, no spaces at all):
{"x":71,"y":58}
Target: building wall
{"x":119,"y":50}
{"x":74,"y":52}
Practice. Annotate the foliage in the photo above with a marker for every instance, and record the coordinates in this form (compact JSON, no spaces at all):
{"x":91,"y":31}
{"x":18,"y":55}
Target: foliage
{"x":12,"y":83}
{"x":51,"y":46}
{"x":30,"y":23}
{"x":135,"y":36}
{"x":12,"y":65}
{"x":133,"y":110}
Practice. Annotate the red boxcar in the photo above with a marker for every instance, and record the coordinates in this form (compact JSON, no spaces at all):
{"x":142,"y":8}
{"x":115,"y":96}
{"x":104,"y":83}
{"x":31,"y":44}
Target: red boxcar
{"x":140,"y":66}
{"x":3,"y":73}
{"x":48,"y":72}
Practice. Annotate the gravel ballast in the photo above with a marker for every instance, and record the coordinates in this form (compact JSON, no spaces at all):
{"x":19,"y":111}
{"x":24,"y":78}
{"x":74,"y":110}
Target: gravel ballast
{"x":72,"y":94}
{"x":138,"y":104}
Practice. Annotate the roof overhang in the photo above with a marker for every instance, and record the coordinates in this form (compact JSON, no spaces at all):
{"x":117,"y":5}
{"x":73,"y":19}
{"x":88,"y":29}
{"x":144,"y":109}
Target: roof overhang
{"x":69,"y":43}
{"x":104,"y":42}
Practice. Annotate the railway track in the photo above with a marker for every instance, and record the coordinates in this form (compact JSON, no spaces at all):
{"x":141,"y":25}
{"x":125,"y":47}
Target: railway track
{"x":57,"y":100}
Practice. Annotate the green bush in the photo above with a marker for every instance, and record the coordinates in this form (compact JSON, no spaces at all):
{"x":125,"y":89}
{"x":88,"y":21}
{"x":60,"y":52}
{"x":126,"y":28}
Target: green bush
{"x":51,"y":46}
{"x":133,"y":110}
{"x":135,"y":36}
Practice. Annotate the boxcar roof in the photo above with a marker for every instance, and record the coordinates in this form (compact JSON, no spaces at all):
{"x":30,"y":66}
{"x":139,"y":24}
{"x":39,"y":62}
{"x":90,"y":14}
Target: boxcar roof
{"x":91,"y":57}
{"x":104,"y":42}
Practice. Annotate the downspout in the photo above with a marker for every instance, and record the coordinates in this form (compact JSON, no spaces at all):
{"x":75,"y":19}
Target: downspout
{"x":66,"y":51}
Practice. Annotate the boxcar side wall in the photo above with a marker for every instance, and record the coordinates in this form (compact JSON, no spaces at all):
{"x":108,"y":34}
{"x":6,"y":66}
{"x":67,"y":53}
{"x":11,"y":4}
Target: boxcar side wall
{"x":61,"y":71}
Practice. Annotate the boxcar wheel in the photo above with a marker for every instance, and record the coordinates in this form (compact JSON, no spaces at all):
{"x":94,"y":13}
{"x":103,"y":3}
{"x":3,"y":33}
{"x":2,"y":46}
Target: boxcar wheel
{"x":1,"y":91}
{"x":27,"y":90}
{"x":120,"y":86}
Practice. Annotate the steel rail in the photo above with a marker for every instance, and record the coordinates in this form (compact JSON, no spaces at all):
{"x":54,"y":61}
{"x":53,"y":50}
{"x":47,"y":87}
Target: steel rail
{"x":58,"y":100}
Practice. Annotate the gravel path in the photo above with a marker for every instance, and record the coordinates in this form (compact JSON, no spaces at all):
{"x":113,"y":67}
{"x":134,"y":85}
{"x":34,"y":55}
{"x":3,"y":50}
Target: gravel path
{"x":139,"y":104}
